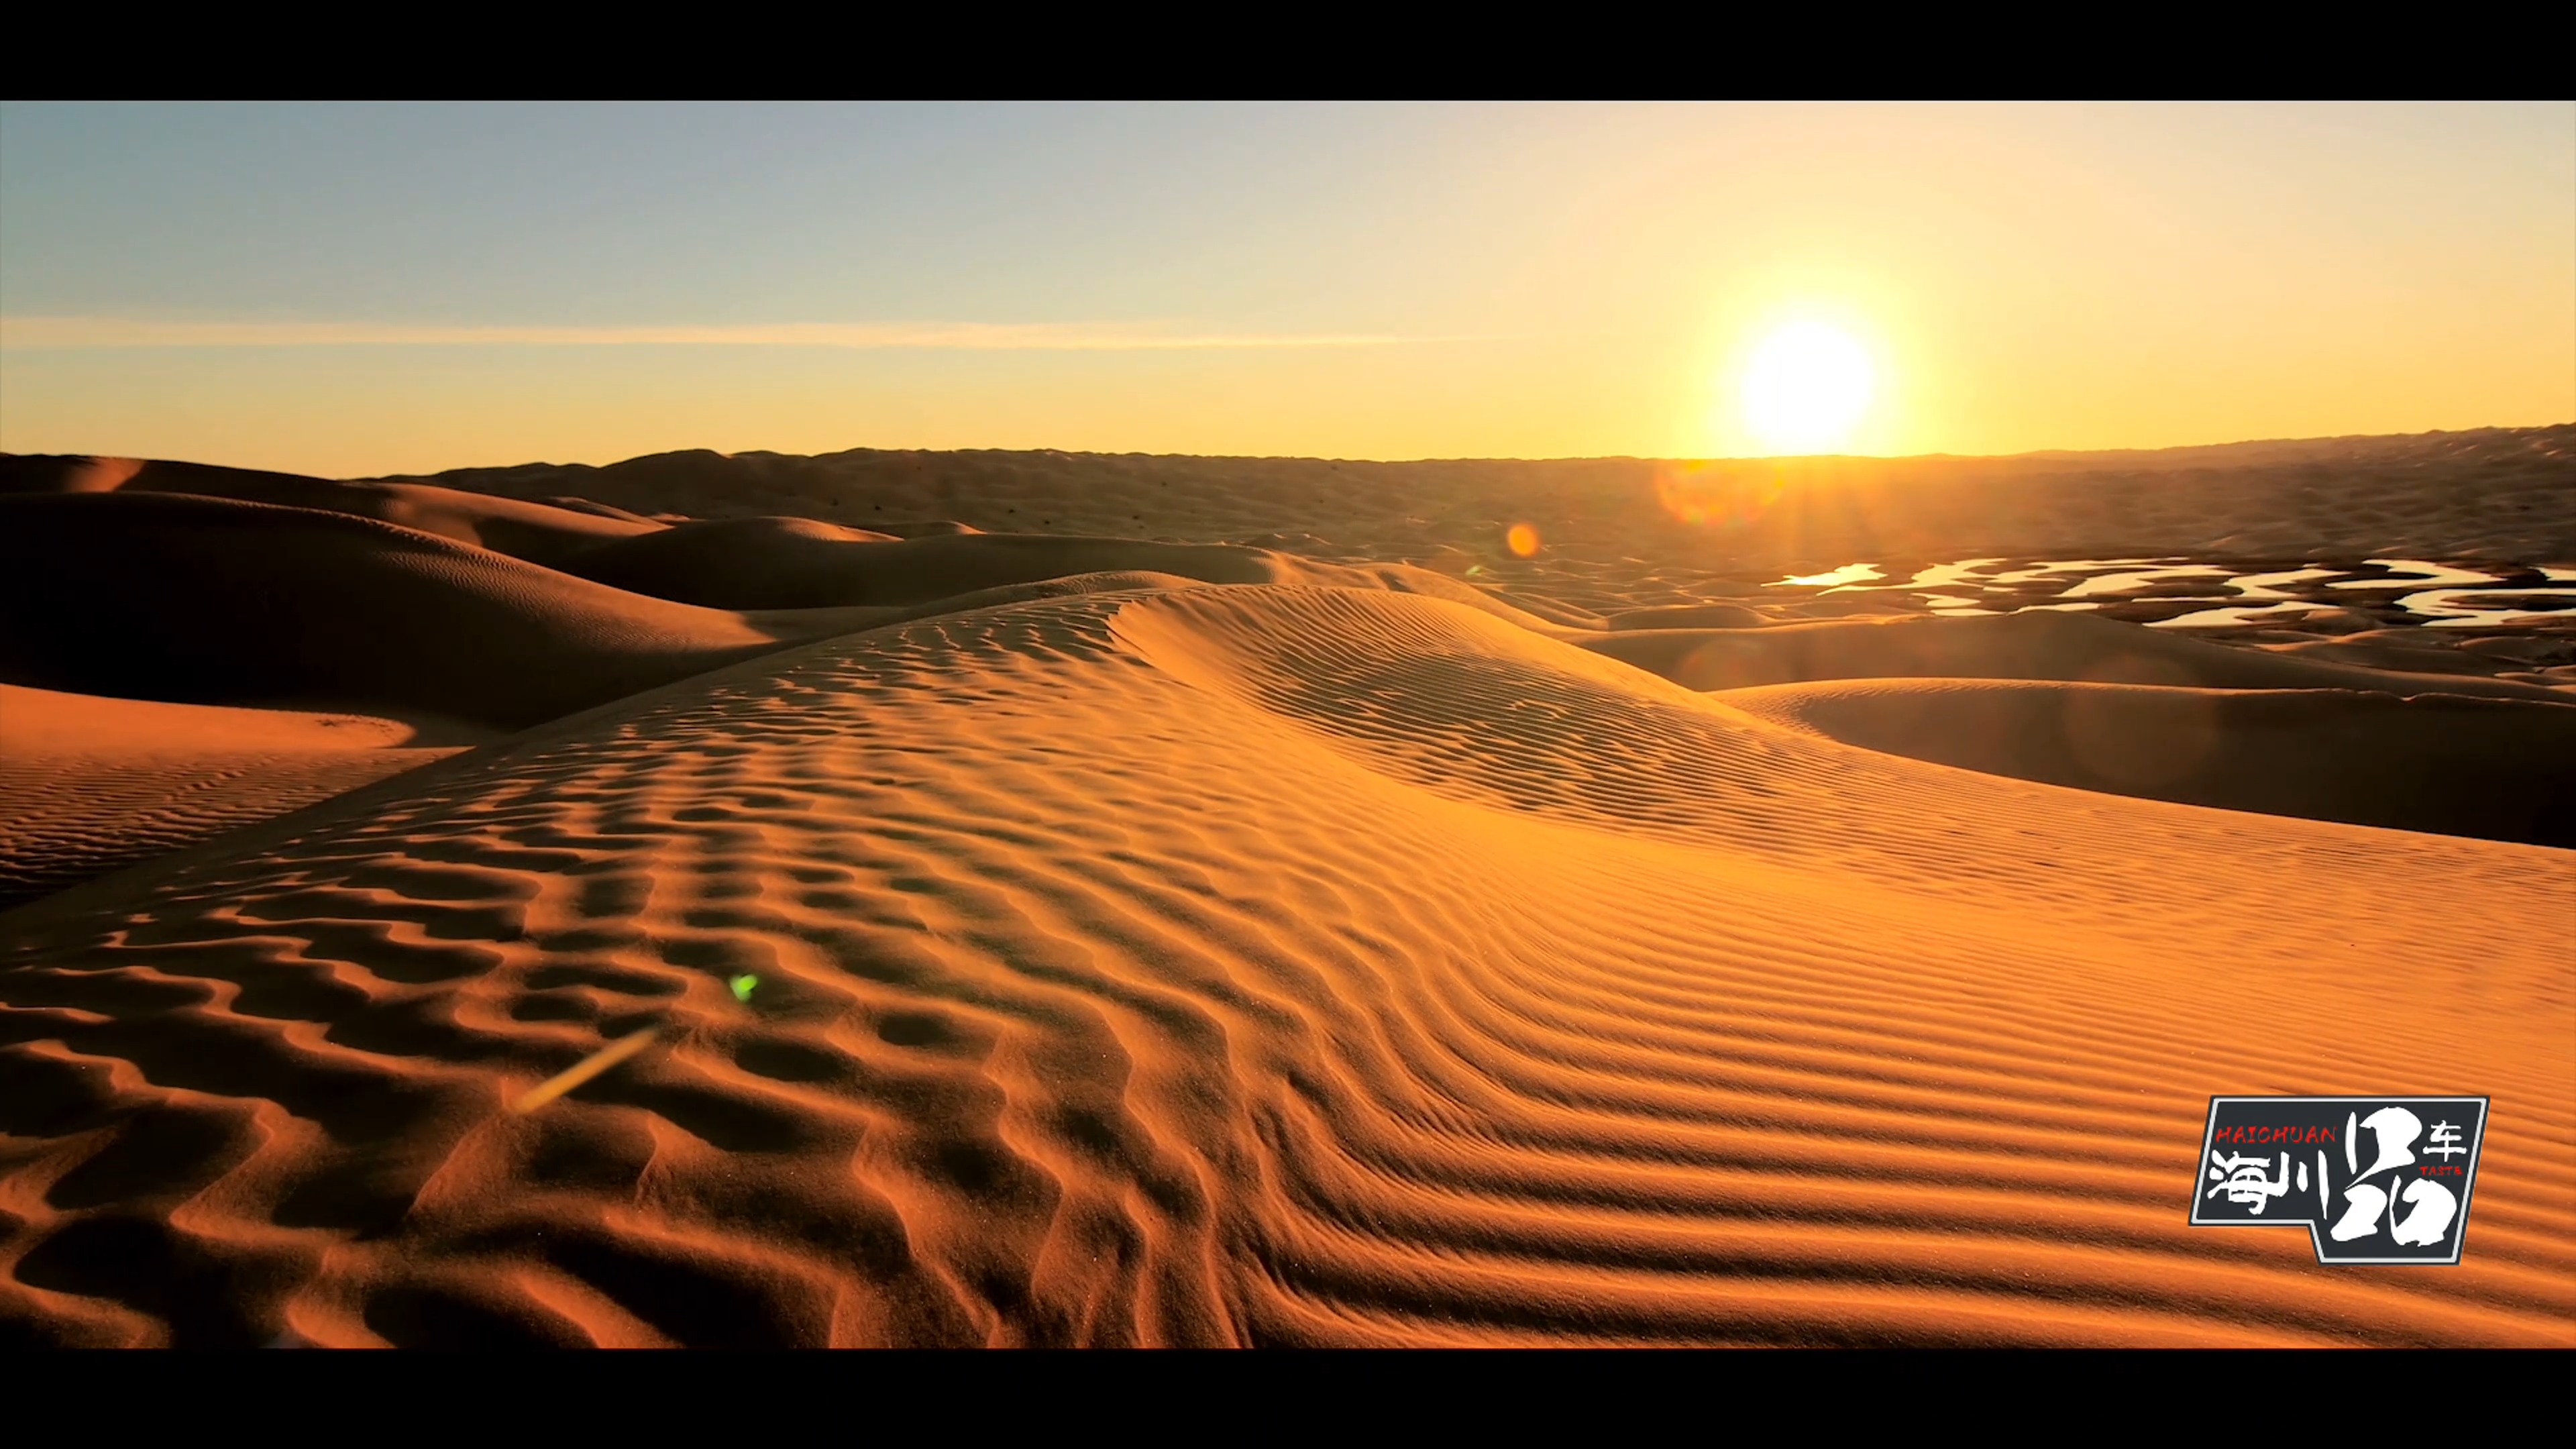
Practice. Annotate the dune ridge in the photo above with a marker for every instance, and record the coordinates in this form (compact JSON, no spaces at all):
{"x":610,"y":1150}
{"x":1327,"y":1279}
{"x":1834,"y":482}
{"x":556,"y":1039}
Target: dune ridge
{"x":1225,"y":941}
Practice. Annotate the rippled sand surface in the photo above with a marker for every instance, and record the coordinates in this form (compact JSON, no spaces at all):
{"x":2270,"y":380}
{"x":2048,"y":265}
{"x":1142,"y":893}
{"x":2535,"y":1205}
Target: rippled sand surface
{"x":1314,"y":953}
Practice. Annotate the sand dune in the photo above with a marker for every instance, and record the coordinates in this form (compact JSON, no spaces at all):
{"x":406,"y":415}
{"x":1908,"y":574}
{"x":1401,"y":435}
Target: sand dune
{"x":2495,"y":769}
{"x":2008,"y":646}
{"x":1689,"y":616}
{"x":795,"y":563}
{"x":540,"y":532}
{"x":89,"y":785}
{"x":1241,"y":924}
{"x":1236,"y":966}
{"x":219,"y":601}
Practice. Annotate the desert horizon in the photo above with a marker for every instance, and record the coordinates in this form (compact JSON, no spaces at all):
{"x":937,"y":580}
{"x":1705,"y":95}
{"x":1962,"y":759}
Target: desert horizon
{"x":1843,"y":875}
{"x":2172,"y":452}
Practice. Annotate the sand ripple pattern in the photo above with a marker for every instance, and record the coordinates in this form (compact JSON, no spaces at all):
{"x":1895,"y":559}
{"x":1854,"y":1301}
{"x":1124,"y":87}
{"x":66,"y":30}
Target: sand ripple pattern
{"x":1248,"y":966}
{"x":78,"y":818}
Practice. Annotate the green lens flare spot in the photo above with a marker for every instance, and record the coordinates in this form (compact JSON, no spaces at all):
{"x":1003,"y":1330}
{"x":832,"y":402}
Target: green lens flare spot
{"x":742,"y":987}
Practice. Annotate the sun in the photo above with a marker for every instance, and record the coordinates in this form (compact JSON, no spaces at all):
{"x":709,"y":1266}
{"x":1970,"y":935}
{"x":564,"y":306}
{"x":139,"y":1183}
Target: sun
{"x":1806,"y":388}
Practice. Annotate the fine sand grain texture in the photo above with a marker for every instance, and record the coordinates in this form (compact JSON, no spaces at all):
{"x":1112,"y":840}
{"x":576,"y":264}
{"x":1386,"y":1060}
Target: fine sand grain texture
{"x":1210,"y":931}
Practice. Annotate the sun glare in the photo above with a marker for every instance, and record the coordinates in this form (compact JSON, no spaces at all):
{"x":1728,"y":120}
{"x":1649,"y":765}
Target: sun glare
{"x":1806,"y":388}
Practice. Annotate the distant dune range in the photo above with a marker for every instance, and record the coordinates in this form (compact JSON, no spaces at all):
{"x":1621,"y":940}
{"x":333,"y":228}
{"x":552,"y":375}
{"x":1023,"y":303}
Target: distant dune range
{"x":1209,"y":901}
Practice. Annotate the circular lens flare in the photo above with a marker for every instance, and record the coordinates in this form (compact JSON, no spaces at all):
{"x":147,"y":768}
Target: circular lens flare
{"x":1728,"y":498}
{"x":1522,"y":540}
{"x":1806,"y":388}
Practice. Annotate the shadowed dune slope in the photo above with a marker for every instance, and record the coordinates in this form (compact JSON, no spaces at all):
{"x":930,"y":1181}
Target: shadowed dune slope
{"x":1249,"y":966}
{"x":208,"y":600}
{"x":2494,"y":769}
{"x":797,"y":563}
{"x":2417,"y":650}
{"x":542,"y":532}
{"x":789,"y":563}
{"x":2033,"y":645}
{"x":740,"y":563}
{"x":93,"y":785}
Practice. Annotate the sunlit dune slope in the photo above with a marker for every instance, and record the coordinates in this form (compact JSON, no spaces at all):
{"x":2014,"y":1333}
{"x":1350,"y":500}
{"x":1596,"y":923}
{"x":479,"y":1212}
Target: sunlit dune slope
{"x":2444,"y":763}
{"x":91,"y":785}
{"x":1260,"y":965}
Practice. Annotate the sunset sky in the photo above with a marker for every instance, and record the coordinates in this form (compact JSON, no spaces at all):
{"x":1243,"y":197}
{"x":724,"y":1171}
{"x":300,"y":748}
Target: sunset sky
{"x":356,"y":290}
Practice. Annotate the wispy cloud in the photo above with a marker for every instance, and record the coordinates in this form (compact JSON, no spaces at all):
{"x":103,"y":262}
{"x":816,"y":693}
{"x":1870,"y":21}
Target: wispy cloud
{"x":33,"y":333}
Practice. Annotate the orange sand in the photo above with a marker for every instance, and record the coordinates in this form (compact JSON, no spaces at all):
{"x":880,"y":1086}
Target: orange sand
{"x":1178,"y":943}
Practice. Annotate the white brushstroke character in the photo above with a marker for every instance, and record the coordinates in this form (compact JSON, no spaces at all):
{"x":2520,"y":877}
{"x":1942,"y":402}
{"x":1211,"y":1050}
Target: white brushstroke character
{"x":2244,"y":1181}
{"x":2432,"y":1205}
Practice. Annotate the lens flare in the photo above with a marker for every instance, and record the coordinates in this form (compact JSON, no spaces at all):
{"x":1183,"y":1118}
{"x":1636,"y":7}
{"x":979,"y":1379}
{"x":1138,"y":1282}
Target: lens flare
{"x":1717,"y":496}
{"x":587,"y":1068}
{"x":1522,"y":540}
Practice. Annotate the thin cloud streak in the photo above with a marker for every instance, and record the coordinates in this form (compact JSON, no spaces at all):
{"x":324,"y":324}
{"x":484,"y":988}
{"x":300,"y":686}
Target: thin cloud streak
{"x":19,"y":334}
